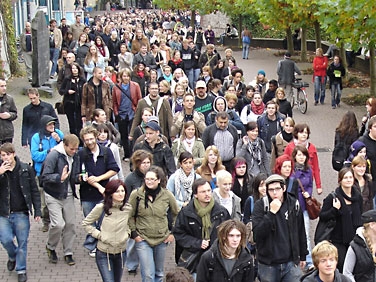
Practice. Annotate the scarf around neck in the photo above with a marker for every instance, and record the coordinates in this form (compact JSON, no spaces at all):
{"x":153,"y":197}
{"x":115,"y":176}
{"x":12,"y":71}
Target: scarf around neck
{"x":204,"y":213}
{"x":151,"y":192}
{"x":183,"y":184}
{"x":257,"y":109}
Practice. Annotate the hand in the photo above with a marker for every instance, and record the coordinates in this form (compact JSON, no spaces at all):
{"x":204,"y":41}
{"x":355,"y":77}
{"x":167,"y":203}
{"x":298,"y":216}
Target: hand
{"x":275,"y":205}
{"x":245,"y":140}
{"x":5,"y":115}
{"x":130,"y":138}
{"x":5,"y":166}
{"x":37,"y":219}
{"x":70,"y":91}
{"x":83,"y":120}
{"x":336,"y":203}
{"x":302,"y":265}
{"x":319,"y":191}
{"x":55,"y":136}
{"x":306,"y":195}
{"x":93,"y":179}
{"x":169,"y":239}
{"x":138,"y":239}
{"x":65,"y":173}
{"x":205,"y":244}
{"x":364,"y":119}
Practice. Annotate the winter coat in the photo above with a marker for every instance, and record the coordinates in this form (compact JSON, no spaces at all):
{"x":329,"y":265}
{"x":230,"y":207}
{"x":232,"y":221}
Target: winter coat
{"x":89,"y":99}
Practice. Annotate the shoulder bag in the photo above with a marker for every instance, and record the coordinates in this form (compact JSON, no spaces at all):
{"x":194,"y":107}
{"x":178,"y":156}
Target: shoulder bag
{"x":313,"y":206}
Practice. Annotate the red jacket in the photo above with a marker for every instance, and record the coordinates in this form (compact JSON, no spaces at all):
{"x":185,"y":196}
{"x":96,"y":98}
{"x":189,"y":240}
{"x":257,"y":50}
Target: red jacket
{"x":313,"y":160}
{"x":320,"y":64}
{"x":135,"y":96}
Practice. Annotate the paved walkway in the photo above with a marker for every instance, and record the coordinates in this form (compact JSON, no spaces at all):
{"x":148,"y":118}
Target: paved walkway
{"x":322,"y":120}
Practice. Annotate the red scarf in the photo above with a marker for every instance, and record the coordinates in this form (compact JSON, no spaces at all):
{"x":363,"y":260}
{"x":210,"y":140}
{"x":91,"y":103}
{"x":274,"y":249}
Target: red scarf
{"x":177,"y":62}
{"x":258,"y":110}
{"x":101,"y":50}
{"x":141,"y":74}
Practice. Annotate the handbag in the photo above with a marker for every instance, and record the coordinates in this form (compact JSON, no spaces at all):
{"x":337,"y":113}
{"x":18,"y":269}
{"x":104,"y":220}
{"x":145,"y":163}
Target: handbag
{"x":313,"y":206}
{"x":189,"y":260}
{"x":324,"y":228}
{"x":59,"y":106}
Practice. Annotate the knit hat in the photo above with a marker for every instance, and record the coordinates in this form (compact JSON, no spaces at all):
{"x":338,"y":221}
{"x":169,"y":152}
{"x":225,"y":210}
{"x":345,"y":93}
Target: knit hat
{"x":369,"y":216}
{"x":355,"y":148}
{"x":274,"y":178}
{"x":261,"y":72}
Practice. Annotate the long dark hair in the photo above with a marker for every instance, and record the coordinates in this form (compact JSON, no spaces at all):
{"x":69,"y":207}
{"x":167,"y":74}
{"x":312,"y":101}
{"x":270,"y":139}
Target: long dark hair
{"x":110,"y":189}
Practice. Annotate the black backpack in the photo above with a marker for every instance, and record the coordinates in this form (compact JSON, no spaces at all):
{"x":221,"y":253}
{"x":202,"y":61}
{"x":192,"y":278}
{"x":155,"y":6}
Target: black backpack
{"x":339,"y":156}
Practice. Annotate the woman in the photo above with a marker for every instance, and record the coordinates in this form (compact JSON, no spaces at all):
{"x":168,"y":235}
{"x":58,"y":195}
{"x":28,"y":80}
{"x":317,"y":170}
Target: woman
{"x":114,"y":49}
{"x":177,"y":74}
{"x":231,"y":65}
{"x":360,"y":257}
{"x":363,"y":181}
{"x":284,"y":106}
{"x":335,"y":73}
{"x":346,"y":209}
{"x":102,"y":48}
{"x":246,"y":42}
{"x":215,"y":88}
{"x":71,"y":88}
{"x":281,"y":140}
{"x":149,"y":223}
{"x":165,"y":51}
{"x":320,"y":64}
{"x":258,"y":191}
{"x":140,"y":129}
{"x":180,"y":183}
{"x":206,"y":74}
{"x":189,"y":142}
{"x":92,"y":60}
{"x":112,"y":237}
{"x":252,"y":148}
{"x":158,"y":58}
{"x":165,"y":89}
{"x":125,"y":58}
{"x":176,"y":102}
{"x":141,"y":76}
{"x":218,"y":70}
{"x":166,"y":74}
{"x":301,"y":135}
{"x":241,"y":182}
{"x":99,"y":117}
{"x":371,"y":111}
{"x":80,"y":48}
{"x":284,"y":167}
{"x":231,"y":248}
{"x":253,"y":110}
{"x":176,"y":61}
{"x":210,"y":165}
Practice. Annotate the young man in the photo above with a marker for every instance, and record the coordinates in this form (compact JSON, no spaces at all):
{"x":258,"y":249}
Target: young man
{"x":8,"y":113}
{"x":278,"y":229}
{"x":325,"y":258}
{"x":59,"y":177}
{"x":204,"y":101}
{"x":56,"y":40}
{"x":19,"y":195}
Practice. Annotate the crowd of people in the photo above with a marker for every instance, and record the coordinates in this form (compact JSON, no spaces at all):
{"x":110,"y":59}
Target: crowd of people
{"x":208,"y":154}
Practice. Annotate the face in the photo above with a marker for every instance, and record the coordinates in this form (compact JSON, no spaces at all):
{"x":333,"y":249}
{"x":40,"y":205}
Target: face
{"x":50,"y":127}
{"x":260,"y":77}
{"x":167,"y":71}
{"x":368,"y":107}
{"x":271,"y":109}
{"x":347,"y":181}
{"x":231,"y":103}
{"x":143,"y":49}
{"x":177,"y":55}
{"x":34,"y":99}
{"x":187,"y":165}
{"x":262,"y":189}
{"x":98,"y":41}
{"x":151,"y":180}
{"x":257,"y":99}
{"x":8,"y":158}
{"x":250,"y":94}
{"x":153,"y":91}
{"x":204,"y":194}
{"x":145,"y":165}
{"x":93,"y":50}
{"x":70,"y":58}
{"x":212,"y":157}
{"x":303,"y":136}
{"x":74,"y":70}
{"x":123,"y":49}
{"x":71,"y":149}
{"x":289,"y":128}
{"x":125,"y":78}
{"x":179,"y":90}
{"x":101,"y":118}
{"x":327,"y":265}
{"x":222,"y":123}
{"x":205,"y":73}
{"x":225,"y":185}
{"x":220,"y":64}
{"x":372,"y":131}
{"x":3,"y":87}
{"x":300,"y":158}
{"x":178,"y":74}
{"x":201,"y":91}
{"x":184,"y":82}
{"x":231,"y":63}
{"x":151,"y":135}
{"x":360,"y":169}
{"x":233,"y":239}
{"x":189,"y":102}
{"x":276,"y":190}
{"x":238,"y":77}
{"x":240,"y":169}
{"x":190,"y":131}
{"x":318,"y":52}
{"x":280,"y":95}
{"x":220,"y":105}
{"x":90,"y":141}
{"x":103,"y":136}
{"x":336,"y":60}
{"x":286,"y":169}
{"x":362,"y":152}
{"x":163,"y":88}
{"x":252,"y":134}
{"x":145,"y":116}
{"x":272,"y":87}
{"x":119,"y":195}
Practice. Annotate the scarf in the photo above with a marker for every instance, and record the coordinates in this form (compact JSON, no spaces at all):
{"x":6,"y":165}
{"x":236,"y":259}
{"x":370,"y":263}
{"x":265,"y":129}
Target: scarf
{"x":286,"y":136}
{"x":258,"y":110}
{"x":204,"y":213}
{"x":168,"y":78}
{"x":184,"y":181}
{"x":188,"y":143}
{"x":151,"y":192}
{"x":101,"y":50}
{"x":254,"y":149}
{"x":141,"y":74}
{"x":305,"y":144}
{"x":176,"y":62}
{"x":298,"y":166}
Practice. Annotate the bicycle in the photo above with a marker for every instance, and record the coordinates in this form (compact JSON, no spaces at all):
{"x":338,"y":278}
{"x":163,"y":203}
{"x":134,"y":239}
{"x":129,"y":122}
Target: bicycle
{"x":300,"y":97}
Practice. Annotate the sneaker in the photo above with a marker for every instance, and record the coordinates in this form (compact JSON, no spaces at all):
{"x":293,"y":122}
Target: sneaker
{"x":52,"y":255}
{"x":92,"y":253}
{"x":132,"y":272}
{"x":45,"y":227}
{"x":333,"y":107}
{"x":11,"y":265}
{"x":316,"y":103}
{"x":22,"y":277}
{"x":69,"y":260}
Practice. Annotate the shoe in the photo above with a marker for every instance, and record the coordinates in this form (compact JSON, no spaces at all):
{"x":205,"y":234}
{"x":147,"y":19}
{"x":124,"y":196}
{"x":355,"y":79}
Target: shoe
{"x":69,"y":260}
{"x":322,"y":103}
{"x":126,"y":159}
{"x":333,"y":107}
{"x":52,"y":255}
{"x":11,"y":265}
{"x":45,"y":227}
{"x":52,"y":77}
{"x":22,"y":277}
{"x":93,"y":253}
{"x":316,"y":103}
{"x":132,"y":272}
{"x":338,"y":106}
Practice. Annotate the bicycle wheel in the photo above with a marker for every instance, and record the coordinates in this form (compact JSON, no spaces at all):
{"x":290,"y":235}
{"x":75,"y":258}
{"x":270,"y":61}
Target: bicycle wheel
{"x":292,"y":98}
{"x":302,"y":101}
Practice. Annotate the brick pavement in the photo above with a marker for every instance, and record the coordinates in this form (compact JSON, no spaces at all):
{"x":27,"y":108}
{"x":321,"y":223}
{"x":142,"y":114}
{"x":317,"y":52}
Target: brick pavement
{"x":322,"y":120}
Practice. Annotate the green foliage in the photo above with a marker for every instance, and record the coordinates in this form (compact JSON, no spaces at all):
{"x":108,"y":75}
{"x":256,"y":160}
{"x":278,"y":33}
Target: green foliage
{"x":356,"y":99}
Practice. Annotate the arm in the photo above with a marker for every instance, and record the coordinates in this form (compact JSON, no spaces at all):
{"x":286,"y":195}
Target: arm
{"x":36,"y":155}
{"x":349,"y":264}
{"x":34,"y":193}
{"x":91,"y":218}
{"x":24,"y":129}
{"x":12,"y":110}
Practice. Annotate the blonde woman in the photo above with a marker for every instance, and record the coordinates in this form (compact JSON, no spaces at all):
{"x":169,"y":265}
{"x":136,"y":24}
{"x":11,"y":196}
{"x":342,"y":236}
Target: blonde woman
{"x":284,"y":106}
{"x":211,"y":163}
{"x":92,"y":60}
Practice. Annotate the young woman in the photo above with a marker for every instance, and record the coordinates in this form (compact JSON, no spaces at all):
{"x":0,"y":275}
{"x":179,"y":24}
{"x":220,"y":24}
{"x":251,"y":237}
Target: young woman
{"x":206,"y":74}
{"x":371,"y":111}
{"x":125,"y":58}
{"x":258,"y":191}
{"x":92,"y":60}
{"x":165,"y":89}
{"x":320,"y":64}
{"x":149,"y":223}
{"x":210,"y":165}
{"x":102,"y":49}
{"x":231,"y":248}
{"x":241,"y":182}
{"x":140,"y":129}
{"x":252,"y":148}
{"x":99,"y":117}
{"x":253,"y":110}
{"x":284,"y":167}
{"x":176,"y":102}
{"x":180,"y":183}
{"x":335,"y":73}
{"x":114,"y":232}
{"x":166,"y":74}
{"x":284,"y":106}
{"x":346,"y":209}
{"x":363,"y":181}
{"x":80,"y":48}
{"x":215,"y":88}
{"x":218,"y":70}
{"x":141,"y":76}
{"x":176,"y":61}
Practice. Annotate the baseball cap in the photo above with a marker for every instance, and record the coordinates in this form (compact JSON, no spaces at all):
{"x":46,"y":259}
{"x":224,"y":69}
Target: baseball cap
{"x":200,"y":84}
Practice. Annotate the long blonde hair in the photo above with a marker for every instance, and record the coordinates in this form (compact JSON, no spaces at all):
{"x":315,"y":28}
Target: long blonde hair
{"x":366,"y":230}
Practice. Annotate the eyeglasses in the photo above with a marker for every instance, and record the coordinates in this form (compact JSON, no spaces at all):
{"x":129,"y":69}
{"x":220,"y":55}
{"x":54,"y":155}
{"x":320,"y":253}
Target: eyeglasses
{"x":274,"y":190}
{"x":150,"y":179}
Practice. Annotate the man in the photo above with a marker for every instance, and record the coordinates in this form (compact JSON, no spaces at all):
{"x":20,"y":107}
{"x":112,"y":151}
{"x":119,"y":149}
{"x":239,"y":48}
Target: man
{"x":270,"y":93}
{"x":199,"y":39}
{"x":237,"y":77}
{"x":32,"y":114}
{"x":64,"y":27}
{"x":125,"y":97}
{"x":286,"y":70}
{"x":19,"y":195}
{"x":196,"y":225}
{"x":96,"y":94}
{"x":65,"y":70}
{"x":77,"y":28}
{"x":60,"y":175}
{"x":187,"y":56}
{"x":145,"y":57}
{"x":209,"y":35}
{"x":8,"y":113}
{"x":209,"y":57}
{"x":153,"y":143}
{"x":27,"y":50}
{"x":41,"y":143}
{"x":196,"y":65}
{"x":370,"y":141}
{"x":139,"y":40}
{"x":325,"y":258}
{"x":161,"y":108}
{"x":204,"y":101}
{"x":98,"y":165}
{"x":278,"y":229}
{"x":56,"y":40}
{"x":188,"y":113}
{"x":269,"y":124}
{"x":224,"y":136}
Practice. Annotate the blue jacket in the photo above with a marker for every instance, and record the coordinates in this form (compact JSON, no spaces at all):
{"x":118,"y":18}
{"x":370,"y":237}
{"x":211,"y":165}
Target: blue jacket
{"x":306,"y":178}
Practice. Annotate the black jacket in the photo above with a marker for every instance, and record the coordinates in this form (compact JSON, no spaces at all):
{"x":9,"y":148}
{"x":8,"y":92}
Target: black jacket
{"x":311,"y":277}
{"x":212,"y":269}
{"x":28,"y":187}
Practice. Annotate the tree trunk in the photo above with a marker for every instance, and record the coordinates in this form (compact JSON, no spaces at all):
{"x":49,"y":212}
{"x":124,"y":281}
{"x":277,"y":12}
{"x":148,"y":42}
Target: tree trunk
{"x":372,"y":68}
{"x":290,"y":43}
{"x":342,"y":54}
{"x":240,"y":29}
{"x":303,"y":54}
{"x":193,"y":16}
{"x":317,"y":34}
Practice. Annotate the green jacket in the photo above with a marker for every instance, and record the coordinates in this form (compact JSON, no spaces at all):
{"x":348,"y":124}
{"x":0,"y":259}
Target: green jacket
{"x":152,"y":223}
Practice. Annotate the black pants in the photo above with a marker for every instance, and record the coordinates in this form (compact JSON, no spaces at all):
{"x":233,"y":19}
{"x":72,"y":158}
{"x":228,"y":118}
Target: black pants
{"x":124,"y":128}
{"x":74,"y":118}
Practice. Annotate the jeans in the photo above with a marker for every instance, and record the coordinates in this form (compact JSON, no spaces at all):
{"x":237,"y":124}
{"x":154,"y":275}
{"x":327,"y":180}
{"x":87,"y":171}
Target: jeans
{"x":307,"y":226}
{"x":190,"y":75}
{"x":336,"y":89}
{"x":111,"y":267}
{"x":54,"y":56}
{"x":222,"y":38}
{"x":285,"y":272}
{"x":87,"y":206}
{"x":17,"y":225}
{"x":245,"y":50}
{"x":196,"y":75}
{"x":132,"y":257}
{"x":288,"y":91}
{"x":319,"y":83}
{"x":151,"y":261}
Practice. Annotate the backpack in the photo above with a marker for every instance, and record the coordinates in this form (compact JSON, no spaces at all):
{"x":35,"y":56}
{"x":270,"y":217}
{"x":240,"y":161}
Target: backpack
{"x":339,"y":156}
